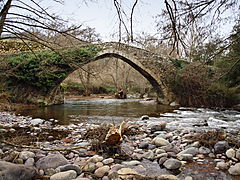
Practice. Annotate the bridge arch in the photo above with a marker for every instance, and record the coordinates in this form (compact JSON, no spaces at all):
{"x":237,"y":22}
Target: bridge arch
{"x":47,"y":74}
{"x":134,"y":63}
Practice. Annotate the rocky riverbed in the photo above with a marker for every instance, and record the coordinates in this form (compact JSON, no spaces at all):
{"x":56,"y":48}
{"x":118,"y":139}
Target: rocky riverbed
{"x":188,"y":146}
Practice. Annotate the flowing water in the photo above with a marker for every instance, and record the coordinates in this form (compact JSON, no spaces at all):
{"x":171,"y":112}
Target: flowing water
{"x":117,"y":110}
{"x":98,"y":110}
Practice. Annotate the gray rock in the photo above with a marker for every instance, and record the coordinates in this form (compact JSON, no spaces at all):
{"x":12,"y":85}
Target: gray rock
{"x":185,"y":157}
{"x":221,"y":147}
{"x":157,"y":126}
{"x":26,"y":154}
{"x":204,"y":150}
{"x":95,"y":159}
{"x":66,"y":175}
{"x":100,"y":172}
{"x":160,"y":142}
{"x":116,"y":167}
{"x":235,"y":170}
{"x":222,"y":166}
{"x":151,"y":146}
{"x":149,"y":155}
{"x":158,"y":156}
{"x":131,"y":163}
{"x":152,"y":169}
{"x":162,"y":160}
{"x":238,"y":154}
{"x":108,"y":161}
{"x":160,"y":151}
{"x":69,"y":167}
{"x":167,"y":177}
{"x":51,"y":161}
{"x":29,"y":162}
{"x":126,"y":149}
{"x":89,"y":167}
{"x":172,"y":164}
{"x":230,"y":153}
{"x":126,"y":171}
{"x":191,"y":150}
{"x":50,"y":172}
{"x":172,"y":154}
{"x":143,"y":145}
{"x":10,"y":171}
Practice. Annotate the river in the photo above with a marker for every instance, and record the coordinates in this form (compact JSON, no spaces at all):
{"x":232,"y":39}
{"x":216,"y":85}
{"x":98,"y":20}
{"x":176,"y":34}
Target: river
{"x":98,"y":110}
{"x":117,"y":110}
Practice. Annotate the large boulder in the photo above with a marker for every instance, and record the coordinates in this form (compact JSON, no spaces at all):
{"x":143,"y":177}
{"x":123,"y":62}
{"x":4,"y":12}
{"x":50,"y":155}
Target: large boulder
{"x":51,"y":161}
{"x":10,"y":171}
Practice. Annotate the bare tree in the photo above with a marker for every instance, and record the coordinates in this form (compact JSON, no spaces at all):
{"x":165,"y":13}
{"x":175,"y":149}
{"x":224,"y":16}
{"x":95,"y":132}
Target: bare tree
{"x":125,"y":19}
{"x":181,"y":19}
{"x":30,"y":21}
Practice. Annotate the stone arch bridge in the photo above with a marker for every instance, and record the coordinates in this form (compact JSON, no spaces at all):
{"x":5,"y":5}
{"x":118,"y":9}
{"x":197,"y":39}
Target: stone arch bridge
{"x":152,"y":66}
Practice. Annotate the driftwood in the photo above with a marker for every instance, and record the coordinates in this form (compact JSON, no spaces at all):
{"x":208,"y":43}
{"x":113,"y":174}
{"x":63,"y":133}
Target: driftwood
{"x":114,"y":135}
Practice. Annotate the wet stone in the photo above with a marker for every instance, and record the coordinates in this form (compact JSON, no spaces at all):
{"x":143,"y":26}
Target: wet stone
{"x":89,"y":167}
{"x":204,"y":150}
{"x":162,"y":160}
{"x":51,"y":161}
{"x":230,"y":153}
{"x":167,"y":177}
{"x":160,"y":142}
{"x":172,"y":164}
{"x":143,"y":145}
{"x":66,"y":175}
{"x":29,"y":162}
{"x":185,"y":157}
{"x":222,"y":166}
{"x":108,"y":161}
{"x":149,"y":155}
{"x":238,"y":154}
{"x":235,"y":170}
{"x":191,"y":150}
{"x":221,"y":147}
{"x":100,"y":172}
{"x":69,"y":167}
{"x":26,"y":154}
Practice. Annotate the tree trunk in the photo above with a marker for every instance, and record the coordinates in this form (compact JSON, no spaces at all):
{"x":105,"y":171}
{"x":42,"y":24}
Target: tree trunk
{"x":3,"y":15}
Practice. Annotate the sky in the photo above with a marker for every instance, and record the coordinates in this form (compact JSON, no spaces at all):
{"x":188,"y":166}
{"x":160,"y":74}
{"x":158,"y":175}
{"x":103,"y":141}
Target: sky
{"x":102,"y":15}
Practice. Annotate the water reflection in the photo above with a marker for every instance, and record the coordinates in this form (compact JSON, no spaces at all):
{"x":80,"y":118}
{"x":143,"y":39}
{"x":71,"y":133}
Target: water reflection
{"x":111,"y":108}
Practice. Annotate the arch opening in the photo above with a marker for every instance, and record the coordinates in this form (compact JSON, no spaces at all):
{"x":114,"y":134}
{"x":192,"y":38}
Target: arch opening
{"x":138,"y":67}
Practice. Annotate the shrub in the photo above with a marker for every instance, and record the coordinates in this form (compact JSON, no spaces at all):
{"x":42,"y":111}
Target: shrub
{"x":196,"y":85}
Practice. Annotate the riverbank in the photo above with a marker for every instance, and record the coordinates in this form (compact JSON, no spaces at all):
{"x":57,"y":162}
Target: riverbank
{"x":152,"y":148}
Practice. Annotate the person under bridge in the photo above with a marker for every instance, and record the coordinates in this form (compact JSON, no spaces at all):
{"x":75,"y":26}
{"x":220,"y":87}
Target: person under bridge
{"x":121,"y":94}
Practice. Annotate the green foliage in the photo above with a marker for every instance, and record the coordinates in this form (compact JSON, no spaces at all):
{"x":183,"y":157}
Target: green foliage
{"x":220,"y":95}
{"x":196,"y":85}
{"x":46,"y":69}
{"x":229,"y":65}
{"x":178,"y":63}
